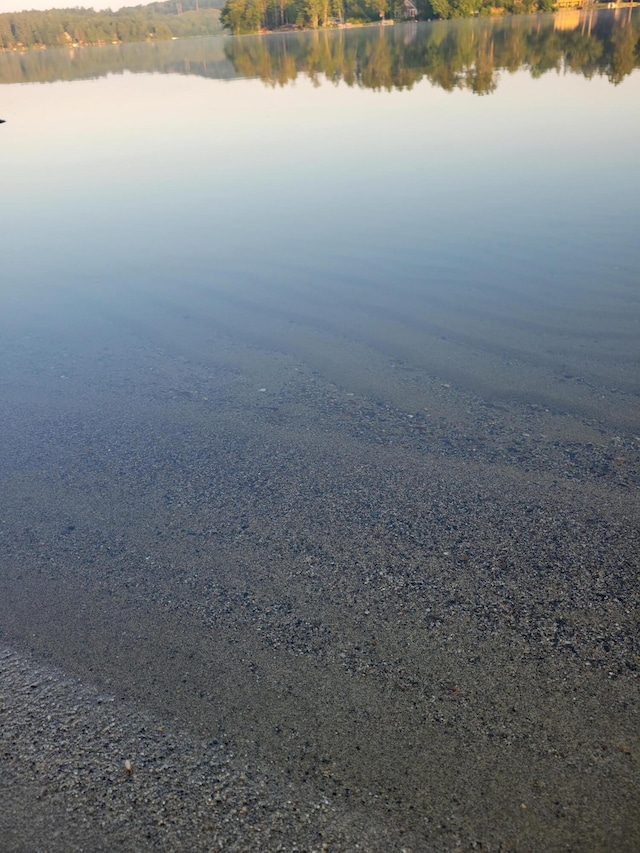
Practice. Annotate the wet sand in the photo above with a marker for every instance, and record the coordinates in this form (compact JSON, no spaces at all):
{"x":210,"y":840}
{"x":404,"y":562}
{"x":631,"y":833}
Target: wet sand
{"x":311,"y":613}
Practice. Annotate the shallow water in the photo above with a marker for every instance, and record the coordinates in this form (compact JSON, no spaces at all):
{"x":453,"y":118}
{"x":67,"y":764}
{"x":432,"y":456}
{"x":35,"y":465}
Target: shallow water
{"x":320,"y":413}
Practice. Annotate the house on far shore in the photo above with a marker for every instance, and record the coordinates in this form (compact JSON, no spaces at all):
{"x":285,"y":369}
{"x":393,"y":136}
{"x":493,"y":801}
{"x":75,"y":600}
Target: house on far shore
{"x":409,"y":10}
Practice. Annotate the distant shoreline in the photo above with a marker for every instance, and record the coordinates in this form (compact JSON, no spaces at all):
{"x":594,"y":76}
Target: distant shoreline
{"x":220,"y":31}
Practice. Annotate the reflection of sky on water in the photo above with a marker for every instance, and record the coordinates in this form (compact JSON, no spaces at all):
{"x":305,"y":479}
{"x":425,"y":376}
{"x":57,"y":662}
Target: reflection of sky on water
{"x":129,"y":170}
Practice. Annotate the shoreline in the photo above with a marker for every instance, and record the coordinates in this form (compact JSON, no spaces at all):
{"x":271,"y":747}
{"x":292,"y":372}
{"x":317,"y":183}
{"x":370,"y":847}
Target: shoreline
{"x":225,"y":33}
{"x":83,"y":770}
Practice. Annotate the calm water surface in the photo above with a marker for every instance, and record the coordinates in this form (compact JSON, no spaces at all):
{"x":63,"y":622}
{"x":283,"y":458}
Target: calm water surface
{"x":320,"y":356}
{"x":503,"y":219}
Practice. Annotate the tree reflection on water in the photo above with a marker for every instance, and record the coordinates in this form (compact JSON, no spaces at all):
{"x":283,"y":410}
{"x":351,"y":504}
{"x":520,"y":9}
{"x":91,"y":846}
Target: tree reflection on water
{"x":464,"y":54}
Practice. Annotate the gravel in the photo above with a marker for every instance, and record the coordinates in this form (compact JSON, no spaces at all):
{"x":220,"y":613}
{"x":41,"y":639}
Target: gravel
{"x":247,"y":605}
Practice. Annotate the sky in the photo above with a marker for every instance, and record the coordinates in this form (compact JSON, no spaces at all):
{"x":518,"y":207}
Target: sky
{"x":22,"y":5}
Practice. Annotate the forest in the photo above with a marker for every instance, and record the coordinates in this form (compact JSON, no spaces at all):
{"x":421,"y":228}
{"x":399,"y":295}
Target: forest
{"x":161,"y":21}
{"x":78,"y":26}
{"x":247,"y":16}
{"x":177,"y":19}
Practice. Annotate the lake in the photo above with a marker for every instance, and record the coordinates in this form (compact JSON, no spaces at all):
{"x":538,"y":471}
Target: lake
{"x":321,"y":440}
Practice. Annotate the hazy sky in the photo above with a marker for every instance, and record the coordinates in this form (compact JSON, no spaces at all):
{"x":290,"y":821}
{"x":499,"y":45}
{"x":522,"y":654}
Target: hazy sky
{"x":21,"y":5}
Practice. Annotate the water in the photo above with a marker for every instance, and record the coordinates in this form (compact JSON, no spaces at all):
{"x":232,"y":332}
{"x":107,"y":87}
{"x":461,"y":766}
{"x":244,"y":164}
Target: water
{"x":320,"y":410}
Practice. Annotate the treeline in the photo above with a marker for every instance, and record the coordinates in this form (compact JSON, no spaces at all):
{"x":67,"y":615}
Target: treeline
{"x":250,"y":16}
{"x":468,"y":54}
{"x":156,"y":22}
